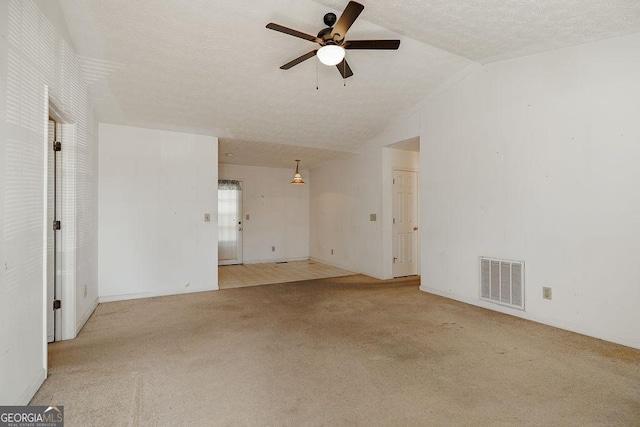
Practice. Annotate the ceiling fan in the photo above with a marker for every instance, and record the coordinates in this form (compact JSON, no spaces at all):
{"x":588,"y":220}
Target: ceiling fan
{"x":332,"y":42}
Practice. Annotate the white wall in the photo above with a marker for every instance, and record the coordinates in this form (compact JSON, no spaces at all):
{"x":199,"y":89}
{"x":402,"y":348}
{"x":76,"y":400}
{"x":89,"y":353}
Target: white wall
{"x":343,"y":195}
{"x":347,"y":191}
{"x":155,"y":187}
{"x":278,"y":212}
{"x":34,"y":53}
{"x":405,"y":127}
{"x":536,"y":159}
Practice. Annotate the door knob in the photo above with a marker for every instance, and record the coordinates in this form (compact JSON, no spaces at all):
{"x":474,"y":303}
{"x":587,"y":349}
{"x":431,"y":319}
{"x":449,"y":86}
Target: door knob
{"x":415,"y":228}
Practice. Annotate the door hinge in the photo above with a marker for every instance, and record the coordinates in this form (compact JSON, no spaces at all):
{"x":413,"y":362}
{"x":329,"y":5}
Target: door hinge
{"x":394,"y":180}
{"x":57,"y":146}
{"x":394,"y":220}
{"x":56,"y":225}
{"x":57,"y":304}
{"x":394,"y":259}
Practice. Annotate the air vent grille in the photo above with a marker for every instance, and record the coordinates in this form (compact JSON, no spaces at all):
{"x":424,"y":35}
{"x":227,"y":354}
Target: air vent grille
{"x":502,"y":282}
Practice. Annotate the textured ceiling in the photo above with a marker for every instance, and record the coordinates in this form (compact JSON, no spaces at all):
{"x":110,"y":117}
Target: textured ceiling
{"x":491,"y":30}
{"x":268,"y":154}
{"x":211,"y":66}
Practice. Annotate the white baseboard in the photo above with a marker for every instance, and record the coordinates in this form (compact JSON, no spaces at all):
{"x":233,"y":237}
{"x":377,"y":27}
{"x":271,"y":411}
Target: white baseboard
{"x":273,"y":261}
{"x":80,"y":324}
{"x":28,"y":394}
{"x":567,"y":326}
{"x":123,"y":297}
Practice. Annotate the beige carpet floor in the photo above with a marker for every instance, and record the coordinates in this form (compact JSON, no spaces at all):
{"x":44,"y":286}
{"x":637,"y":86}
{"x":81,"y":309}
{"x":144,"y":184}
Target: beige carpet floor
{"x":335,"y":352}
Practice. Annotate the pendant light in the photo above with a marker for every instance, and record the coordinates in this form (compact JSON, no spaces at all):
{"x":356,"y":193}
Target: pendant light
{"x":297,"y":178}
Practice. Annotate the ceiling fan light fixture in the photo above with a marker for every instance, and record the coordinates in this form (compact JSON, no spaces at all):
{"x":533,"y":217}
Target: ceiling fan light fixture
{"x":297,"y":178}
{"x":331,"y":54}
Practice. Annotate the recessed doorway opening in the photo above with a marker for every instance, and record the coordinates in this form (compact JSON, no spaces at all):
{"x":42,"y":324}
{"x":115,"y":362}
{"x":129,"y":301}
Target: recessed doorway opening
{"x":229,"y":222}
{"x":402,"y":235}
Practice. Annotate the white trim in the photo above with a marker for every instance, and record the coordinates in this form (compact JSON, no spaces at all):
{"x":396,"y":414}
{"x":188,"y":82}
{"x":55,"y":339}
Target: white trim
{"x":53,"y":110}
{"x":567,"y":326}
{"x":389,"y":166}
{"x":45,"y":232}
{"x":28,"y":394}
{"x":233,"y":261}
{"x":85,"y":317}
{"x":68,"y":233}
{"x":124,"y":297}
{"x":67,"y":282}
{"x":273,"y":261}
{"x":389,"y":222}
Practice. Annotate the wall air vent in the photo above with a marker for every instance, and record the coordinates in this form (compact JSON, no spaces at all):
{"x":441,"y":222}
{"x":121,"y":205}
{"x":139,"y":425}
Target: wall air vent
{"x":502,"y":282}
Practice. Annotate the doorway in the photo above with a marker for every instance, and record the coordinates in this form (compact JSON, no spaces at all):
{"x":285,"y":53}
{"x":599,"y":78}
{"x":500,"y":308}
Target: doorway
{"x":405,"y":223}
{"x":53,"y":225}
{"x":229,"y":222}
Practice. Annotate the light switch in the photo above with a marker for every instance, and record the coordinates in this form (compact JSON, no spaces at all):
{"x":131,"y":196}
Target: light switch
{"x":207,"y":217}
{"x":372,"y":217}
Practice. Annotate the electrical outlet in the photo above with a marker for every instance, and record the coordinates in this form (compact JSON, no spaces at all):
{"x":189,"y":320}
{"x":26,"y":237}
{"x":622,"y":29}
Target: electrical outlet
{"x":273,"y":248}
{"x":207,"y":217}
{"x":546,"y":292}
{"x":372,"y":217}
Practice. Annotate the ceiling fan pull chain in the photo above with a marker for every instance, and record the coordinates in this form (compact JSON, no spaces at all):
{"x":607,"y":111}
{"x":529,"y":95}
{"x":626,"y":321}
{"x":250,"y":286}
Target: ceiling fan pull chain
{"x":344,"y":70}
{"x":317,"y":75}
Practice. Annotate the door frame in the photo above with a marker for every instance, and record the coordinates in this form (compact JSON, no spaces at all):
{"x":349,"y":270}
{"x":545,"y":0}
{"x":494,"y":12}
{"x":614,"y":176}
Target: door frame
{"x":241,"y":239}
{"x":417,"y":254}
{"x":56,"y":258}
{"x":387,"y":211}
{"x":67,"y":283}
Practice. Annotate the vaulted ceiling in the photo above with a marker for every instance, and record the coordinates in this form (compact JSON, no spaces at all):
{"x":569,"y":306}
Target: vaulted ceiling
{"x":211,"y":66}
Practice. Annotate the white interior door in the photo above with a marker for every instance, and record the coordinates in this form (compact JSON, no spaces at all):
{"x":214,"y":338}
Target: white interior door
{"x":405,"y":223}
{"x":229,"y":222}
{"x":50,"y":242}
{"x":54,"y":317}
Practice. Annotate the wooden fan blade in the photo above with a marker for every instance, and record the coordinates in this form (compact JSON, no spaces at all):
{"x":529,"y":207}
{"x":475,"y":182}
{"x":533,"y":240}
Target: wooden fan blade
{"x":299,"y":60}
{"x":344,"y":69}
{"x":372,"y":44}
{"x":292,"y":32}
{"x":350,"y":14}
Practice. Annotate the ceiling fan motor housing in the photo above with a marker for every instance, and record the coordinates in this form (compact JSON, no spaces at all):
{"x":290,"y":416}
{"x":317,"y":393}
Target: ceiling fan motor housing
{"x":330,"y":19}
{"x":325,"y":35}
